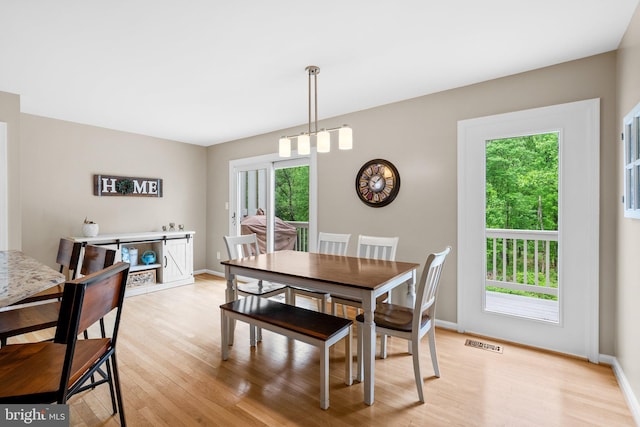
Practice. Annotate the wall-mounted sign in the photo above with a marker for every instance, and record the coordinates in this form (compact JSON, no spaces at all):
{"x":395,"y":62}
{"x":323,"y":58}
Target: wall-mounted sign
{"x":108,"y":185}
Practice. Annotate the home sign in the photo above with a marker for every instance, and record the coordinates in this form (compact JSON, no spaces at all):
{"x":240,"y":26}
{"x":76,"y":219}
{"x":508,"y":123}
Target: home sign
{"x":108,"y":185}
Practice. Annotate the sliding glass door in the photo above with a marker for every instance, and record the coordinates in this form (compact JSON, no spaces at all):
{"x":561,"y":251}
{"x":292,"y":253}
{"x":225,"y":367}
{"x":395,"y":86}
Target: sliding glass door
{"x":274,"y":199}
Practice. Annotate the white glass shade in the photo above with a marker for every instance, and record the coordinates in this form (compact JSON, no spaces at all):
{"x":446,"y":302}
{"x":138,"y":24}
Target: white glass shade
{"x":284,"y":148}
{"x":345,"y":138}
{"x":324,"y":141}
{"x":304,"y":144}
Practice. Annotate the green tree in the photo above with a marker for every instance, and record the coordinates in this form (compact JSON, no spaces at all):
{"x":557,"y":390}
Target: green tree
{"x":292,"y":193}
{"x":522,"y":182}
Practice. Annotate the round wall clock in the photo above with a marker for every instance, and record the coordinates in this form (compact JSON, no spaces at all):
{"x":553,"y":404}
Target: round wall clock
{"x":377,"y":183}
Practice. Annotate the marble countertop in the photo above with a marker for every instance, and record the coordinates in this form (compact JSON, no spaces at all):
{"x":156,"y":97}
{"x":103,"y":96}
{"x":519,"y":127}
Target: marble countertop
{"x":22,"y":276}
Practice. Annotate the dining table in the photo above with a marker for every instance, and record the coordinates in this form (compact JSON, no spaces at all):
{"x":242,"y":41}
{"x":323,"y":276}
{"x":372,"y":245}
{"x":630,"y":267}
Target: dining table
{"x":22,"y":276}
{"x":360,"y":278}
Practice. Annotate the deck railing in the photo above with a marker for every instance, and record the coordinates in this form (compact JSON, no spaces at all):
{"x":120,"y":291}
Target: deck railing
{"x":523,"y":260}
{"x":302,"y":235}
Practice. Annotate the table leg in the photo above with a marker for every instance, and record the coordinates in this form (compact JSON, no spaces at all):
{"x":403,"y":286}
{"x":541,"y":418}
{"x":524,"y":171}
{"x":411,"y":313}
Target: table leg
{"x":230,"y":295}
{"x":369,"y":347}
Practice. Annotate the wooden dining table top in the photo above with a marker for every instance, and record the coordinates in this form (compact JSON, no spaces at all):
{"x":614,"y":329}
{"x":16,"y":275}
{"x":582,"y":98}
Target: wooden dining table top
{"x":22,"y":276}
{"x":338,"y":269}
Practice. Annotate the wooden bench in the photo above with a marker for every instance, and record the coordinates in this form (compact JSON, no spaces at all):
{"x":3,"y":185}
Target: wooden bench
{"x":312,"y":327}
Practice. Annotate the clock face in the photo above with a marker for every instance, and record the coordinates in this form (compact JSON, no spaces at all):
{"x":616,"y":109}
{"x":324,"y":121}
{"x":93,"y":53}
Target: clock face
{"x":377,"y":183}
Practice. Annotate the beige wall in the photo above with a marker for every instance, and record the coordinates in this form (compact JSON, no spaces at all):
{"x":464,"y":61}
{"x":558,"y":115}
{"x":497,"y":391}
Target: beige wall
{"x":58,"y":162}
{"x":419,"y":137}
{"x":627,"y":314}
{"x":10,"y":114}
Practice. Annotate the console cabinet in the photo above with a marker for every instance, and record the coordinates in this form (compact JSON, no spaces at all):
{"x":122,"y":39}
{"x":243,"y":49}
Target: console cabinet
{"x":174,"y":258}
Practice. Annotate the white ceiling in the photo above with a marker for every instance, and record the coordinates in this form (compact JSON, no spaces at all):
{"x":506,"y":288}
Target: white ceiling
{"x":210,"y":71}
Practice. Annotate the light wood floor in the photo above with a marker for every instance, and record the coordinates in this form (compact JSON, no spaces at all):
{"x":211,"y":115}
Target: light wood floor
{"x":172,"y":375}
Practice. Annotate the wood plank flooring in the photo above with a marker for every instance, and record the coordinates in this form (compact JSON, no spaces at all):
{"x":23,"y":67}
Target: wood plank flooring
{"x":172,"y":375}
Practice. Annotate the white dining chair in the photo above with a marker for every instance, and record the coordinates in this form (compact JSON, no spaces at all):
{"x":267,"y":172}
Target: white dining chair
{"x":368,"y":247}
{"x":243,"y":246}
{"x":410,"y":323}
{"x":333,"y":243}
{"x":328,"y":243}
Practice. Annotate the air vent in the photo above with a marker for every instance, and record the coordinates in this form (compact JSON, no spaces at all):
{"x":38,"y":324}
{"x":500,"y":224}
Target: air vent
{"x":479,"y":344}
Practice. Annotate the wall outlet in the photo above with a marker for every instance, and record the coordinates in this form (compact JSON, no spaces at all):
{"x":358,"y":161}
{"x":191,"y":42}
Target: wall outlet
{"x":218,"y":254}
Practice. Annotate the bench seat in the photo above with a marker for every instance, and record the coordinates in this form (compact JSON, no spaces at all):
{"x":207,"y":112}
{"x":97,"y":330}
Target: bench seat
{"x":312,"y":327}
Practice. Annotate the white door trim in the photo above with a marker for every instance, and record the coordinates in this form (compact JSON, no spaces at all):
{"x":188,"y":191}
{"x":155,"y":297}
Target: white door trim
{"x":583,"y":196}
{"x":4,"y":188}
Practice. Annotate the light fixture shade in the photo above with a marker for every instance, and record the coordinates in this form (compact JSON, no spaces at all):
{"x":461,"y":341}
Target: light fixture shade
{"x":284,"y":148}
{"x":324,"y":141}
{"x":304,"y":144}
{"x":345,"y":138}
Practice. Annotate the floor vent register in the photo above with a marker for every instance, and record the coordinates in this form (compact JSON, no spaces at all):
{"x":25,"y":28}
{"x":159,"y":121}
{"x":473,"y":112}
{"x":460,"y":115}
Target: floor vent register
{"x":484,"y":346}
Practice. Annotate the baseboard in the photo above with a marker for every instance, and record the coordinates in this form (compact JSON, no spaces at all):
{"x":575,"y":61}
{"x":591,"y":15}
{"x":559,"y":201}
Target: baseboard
{"x":627,"y":391}
{"x":446,"y":325}
{"x":207,"y":271}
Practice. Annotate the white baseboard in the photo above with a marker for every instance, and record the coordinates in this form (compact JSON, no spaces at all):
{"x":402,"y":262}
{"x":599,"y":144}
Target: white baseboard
{"x":206,"y":271}
{"x":627,"y":391}
{"x":446,"y":325}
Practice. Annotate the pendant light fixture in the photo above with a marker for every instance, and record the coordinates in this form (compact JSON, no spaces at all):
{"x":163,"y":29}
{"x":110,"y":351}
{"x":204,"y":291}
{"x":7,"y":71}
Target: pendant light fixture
{"x":322,"y":137}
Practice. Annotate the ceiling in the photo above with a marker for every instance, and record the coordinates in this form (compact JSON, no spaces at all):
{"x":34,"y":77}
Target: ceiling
{"x":210,"y":71}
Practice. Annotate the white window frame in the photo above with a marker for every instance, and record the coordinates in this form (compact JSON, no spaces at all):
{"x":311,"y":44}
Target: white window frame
{"x":631,"y":162}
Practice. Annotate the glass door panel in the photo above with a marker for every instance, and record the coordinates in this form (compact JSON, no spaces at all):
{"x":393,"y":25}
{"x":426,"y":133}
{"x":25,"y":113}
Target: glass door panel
{"x":521,"y":217}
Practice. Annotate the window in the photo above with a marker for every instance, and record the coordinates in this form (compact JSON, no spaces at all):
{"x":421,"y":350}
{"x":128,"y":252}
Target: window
{"x":631,"y":140}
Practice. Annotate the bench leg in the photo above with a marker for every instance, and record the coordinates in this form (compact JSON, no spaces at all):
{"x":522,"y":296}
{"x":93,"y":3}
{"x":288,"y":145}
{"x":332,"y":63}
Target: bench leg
{"x":348,"y":359}
{"x":255,"y":335}
{"x":324,"y":377}
{"x":224,"y":326}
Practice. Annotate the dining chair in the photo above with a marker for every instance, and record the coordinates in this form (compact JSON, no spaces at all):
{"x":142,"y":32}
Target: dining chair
{"x":333,"y":243}
{"x":411,"y":323}
{"x":29,"y":318}
{"x":53,"y":371}
{"x":243,"y":246}
{"x":67,"y":258}
{"x":328,"y":243}
{"x":383,"y":248}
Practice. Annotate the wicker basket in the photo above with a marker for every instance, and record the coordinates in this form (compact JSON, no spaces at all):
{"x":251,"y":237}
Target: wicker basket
{"x":138,"y":278}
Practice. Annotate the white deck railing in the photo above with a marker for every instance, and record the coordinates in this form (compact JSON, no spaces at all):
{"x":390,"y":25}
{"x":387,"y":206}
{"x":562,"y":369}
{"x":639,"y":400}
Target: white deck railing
{"x":302,"y":235}
{"x":511,"y":254}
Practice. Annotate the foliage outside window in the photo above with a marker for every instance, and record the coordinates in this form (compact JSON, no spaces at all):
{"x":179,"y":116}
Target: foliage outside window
{"x":292,"y":201}
{"x":292,"y":194}
{"x":631,"y":140}
{"x":522,"y":194}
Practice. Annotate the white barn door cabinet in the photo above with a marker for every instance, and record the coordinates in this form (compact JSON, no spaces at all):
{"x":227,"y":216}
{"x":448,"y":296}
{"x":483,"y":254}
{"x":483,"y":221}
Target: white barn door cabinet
{"x":173,"y":251}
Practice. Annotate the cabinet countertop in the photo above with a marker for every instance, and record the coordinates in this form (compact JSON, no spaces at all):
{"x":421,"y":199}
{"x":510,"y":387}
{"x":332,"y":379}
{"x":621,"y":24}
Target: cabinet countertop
{"x":132,"y":237}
